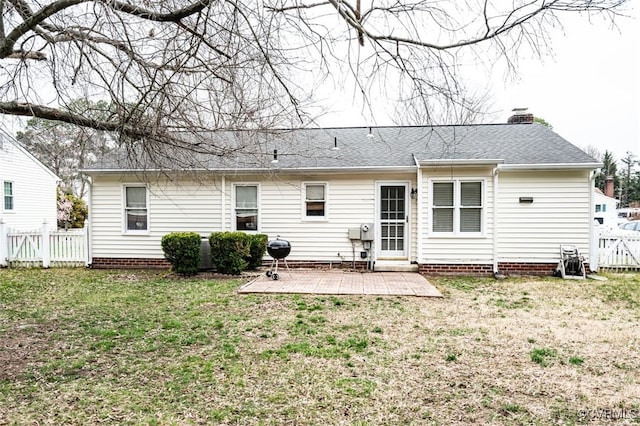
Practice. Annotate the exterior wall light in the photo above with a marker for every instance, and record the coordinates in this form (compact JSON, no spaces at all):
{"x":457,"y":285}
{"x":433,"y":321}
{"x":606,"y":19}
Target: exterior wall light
{"x":527,"y":200}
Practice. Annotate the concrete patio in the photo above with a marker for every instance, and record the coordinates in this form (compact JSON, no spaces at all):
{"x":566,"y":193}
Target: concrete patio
{"x":342,"y":282}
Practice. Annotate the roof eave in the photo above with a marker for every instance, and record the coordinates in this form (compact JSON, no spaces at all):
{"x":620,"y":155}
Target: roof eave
{"x":274,"y":169}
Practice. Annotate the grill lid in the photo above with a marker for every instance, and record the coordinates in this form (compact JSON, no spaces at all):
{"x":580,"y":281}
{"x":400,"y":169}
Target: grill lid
{"x":278,"y":249}
{"x":278,"y":243}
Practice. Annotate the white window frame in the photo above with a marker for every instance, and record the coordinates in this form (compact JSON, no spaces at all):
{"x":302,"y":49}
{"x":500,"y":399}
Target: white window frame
{"x":457,"y":207}
{"x":125,"y":230}
{"x":304,"y":201}
{"x":13,"y":196}
{"x":234,"y":219}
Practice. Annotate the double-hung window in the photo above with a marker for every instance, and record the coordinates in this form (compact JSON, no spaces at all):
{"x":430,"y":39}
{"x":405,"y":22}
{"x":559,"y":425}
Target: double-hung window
{"x":315,"y":201}
{"x":457,"y":207}
{"x":246,"y":209}
{"x":8,"y":196}
{"x":136,"y":211}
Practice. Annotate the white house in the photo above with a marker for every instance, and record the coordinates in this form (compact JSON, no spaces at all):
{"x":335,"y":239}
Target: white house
{"x":28,"y":188}
{"x":477,"y":199}
{"x":605,"y":210}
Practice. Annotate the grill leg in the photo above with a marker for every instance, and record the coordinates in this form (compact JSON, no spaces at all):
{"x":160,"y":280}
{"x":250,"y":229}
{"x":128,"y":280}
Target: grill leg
{"x":287,"y":265}
{"x":270,"y":271}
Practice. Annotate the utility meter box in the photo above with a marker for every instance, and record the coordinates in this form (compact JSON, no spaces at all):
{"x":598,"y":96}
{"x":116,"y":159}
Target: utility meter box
{"x":366,"y":232}
{"x":354,"y":233}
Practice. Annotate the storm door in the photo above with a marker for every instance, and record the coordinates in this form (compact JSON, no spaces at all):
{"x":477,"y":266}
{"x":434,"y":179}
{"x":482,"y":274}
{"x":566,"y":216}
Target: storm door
{"x":393,"y":220}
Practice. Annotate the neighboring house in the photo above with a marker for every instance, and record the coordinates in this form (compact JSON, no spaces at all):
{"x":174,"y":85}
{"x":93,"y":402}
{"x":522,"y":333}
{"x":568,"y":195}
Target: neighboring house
{"x":28,"y":188}
{"x":605,"y":210}
{"x":476,"y":199}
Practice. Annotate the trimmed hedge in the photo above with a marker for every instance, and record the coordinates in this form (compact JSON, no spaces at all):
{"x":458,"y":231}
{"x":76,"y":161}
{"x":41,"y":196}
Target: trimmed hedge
{"x":234,"y":252}
{"x":257,"y":250}
{"x":230,"y":251}
{"x":182,"y":250}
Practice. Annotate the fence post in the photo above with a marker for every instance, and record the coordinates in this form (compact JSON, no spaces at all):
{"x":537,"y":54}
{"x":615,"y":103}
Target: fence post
{"x":46,"y":255}
{"x":4,"y":244}
{"x":87,"y":244}
{"x":594,"y":255}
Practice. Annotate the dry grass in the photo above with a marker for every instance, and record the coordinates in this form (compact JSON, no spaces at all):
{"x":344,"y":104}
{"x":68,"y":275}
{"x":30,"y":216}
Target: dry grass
{"x":82,"y":347}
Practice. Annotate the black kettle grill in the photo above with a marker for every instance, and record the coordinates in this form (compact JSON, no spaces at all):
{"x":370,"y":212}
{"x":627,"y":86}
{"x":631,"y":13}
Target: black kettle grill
{"x":278,"y":249}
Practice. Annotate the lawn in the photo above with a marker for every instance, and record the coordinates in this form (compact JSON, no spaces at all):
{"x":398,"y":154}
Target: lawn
{"x":117,"y":347}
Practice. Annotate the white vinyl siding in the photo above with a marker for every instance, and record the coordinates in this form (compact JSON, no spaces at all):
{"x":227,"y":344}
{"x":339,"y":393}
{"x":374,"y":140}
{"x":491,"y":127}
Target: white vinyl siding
{"x":173,"y":206}
{"x":28,"y":190}
{"x":457,"y":247}
{"x":350,"y":202}
{"x":207,"y":207}
{"x":559,"y":214}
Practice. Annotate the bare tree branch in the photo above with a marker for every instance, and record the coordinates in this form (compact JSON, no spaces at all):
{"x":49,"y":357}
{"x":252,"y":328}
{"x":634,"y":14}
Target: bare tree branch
{"x":170,"y":67}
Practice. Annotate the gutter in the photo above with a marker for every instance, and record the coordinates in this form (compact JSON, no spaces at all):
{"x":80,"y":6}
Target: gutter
{"x":461,"y":162}
{"x":295,"y":170}
{"x":594,"y":240}
{"x":419,"y":213}
{"x":552,"y":166}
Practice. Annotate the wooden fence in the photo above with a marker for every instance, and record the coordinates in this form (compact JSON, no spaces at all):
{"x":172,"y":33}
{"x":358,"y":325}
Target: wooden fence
{"x":44,"y":247}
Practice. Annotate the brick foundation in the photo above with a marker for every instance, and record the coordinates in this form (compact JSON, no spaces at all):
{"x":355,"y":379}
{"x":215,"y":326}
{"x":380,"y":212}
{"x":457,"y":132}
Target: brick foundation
{"x":507,"y":268}
{"x":453,"y":269}
{"x":129,"y":263}
{"x":148,"y":263}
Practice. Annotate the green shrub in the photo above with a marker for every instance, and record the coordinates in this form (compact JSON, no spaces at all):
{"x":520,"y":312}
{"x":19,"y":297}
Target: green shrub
{"x":257,"y":250}
{"x":182,"y":250}
{"x":230,"y":251}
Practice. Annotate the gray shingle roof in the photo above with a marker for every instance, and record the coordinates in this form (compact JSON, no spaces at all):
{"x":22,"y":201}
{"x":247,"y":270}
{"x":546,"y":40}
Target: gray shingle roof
{"x":521,"y":144}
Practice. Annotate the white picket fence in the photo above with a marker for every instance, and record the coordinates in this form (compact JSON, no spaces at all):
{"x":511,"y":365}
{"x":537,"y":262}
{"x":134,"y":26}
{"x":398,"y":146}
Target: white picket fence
{"x":44,"y":247}
{"x":619,"y":251}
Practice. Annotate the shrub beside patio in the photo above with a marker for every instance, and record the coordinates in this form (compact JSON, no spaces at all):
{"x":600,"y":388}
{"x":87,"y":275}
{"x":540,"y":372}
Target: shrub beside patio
{"x":85,"y":346}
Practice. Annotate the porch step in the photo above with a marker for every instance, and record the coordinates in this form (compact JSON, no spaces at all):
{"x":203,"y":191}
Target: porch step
{"x":382,"y":266}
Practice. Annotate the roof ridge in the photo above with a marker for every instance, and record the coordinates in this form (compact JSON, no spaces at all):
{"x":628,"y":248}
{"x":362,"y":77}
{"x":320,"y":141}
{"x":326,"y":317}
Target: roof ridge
{"x":412,"y":126}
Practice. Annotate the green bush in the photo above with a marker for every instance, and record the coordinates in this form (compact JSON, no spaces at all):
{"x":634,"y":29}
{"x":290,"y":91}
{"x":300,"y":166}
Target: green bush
{"x":230,"y":251}
{"x":257,"y":250}
{"x":182,"y":250}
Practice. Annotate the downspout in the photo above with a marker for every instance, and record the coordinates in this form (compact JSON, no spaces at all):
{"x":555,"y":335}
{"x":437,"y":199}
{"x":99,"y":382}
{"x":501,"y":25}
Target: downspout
{"x":223,"y":191}
{"x":89,"y":226}
{"x":496,"y":172}
{"x":593,"y":241}
{"x":419,"y":214}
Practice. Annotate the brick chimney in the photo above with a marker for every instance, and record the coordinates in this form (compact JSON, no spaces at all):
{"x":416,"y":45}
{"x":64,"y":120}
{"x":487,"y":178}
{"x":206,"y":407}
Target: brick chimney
{"x":608,"y":186}
{"x":520,"y":115}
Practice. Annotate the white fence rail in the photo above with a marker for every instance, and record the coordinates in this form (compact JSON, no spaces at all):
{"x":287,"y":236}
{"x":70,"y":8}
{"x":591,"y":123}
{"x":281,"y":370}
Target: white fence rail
{"x":44,"y":247}
{"x":619,"y":251}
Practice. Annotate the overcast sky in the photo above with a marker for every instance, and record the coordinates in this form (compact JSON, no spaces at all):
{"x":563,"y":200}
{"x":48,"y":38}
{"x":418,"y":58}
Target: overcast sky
{"x":588,"y":90}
